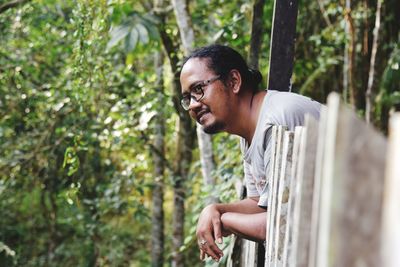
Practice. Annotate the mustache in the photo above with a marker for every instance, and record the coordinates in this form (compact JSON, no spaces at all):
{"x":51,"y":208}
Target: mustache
{"x":202,"y":111}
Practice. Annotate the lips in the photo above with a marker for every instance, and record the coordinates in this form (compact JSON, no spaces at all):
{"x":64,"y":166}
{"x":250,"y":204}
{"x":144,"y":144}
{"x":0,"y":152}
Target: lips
{"x":201,"y":114}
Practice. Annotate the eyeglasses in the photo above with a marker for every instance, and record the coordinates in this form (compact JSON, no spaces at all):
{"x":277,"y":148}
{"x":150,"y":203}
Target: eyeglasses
{"x":196,"y":92}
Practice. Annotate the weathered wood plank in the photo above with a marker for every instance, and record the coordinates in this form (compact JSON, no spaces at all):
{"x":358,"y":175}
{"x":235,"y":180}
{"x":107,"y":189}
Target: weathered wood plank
{"x":326,"y":185}
{"x":391,"y":201}
{"x":351,"y":197}
{"x":270,"y":174}
{"x":317,"y":187}
{"x":250,"y":253}
{"x":289,"y":231}
{"x":305,"y":185}
{"x":277,"y":140}
{"x":283,"y":198}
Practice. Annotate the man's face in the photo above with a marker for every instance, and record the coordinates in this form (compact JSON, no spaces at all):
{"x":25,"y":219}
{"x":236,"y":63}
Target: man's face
{"x":210,"y":110}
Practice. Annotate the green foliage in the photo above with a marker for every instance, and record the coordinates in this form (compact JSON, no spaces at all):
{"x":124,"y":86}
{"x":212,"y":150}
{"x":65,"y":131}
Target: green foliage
{"x":70,"y":191}
{"x":228,"y":172}
{"x":78,"y":105}
{"x":388,"y":98}
{"x":135,"y":28}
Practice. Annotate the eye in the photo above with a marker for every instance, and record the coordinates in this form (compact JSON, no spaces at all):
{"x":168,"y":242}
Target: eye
{"x":197,"y":89}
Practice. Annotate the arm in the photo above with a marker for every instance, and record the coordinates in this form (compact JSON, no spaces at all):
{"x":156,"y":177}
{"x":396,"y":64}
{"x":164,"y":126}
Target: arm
{"x":249,"y":226}
{"x":210,"y":228}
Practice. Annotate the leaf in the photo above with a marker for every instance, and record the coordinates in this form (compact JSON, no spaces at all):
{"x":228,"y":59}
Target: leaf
{"x":145,"y":119}
{"x":151,"y":26}
{"x":117,"y":34}
{"x":218,"y":35}
{"x":143,"y":34}
{"x":131,"y":40}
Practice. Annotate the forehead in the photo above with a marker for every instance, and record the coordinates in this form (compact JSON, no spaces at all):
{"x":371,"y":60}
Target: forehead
{"x":194,"y":70}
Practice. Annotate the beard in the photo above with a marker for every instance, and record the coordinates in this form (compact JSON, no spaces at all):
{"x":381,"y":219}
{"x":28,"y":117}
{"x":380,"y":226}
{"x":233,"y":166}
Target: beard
{"x":214,"y":128}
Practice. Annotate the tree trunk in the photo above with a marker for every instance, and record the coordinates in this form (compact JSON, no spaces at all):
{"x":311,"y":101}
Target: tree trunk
{"x":350,"y":57}
{"x":185,"y":143}
{"x":157,"y":240}
{"x":369,"y":93}
{"x":257,"y":28}
{"x":184,"y":158}
{"x":204,"y":140}
{"x":184,"y":25}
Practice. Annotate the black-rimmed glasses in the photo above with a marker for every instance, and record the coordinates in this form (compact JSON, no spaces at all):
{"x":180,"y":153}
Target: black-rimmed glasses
{"x":196,"y":92}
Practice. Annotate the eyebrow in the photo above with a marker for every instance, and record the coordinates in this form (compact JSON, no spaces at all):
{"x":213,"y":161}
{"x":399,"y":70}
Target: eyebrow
{"x":195,"y":84}
{"x":190,"y":88}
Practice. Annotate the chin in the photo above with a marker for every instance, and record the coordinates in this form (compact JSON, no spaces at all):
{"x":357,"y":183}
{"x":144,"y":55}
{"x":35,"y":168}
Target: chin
{"x":213,"y":128}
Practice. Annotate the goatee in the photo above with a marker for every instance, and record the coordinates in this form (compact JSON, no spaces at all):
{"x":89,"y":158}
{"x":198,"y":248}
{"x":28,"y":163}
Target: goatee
{"x":214,"y":128}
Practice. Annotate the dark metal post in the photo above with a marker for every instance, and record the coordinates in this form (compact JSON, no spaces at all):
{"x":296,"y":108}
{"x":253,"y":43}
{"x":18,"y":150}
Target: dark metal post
{"x":282,"y":45}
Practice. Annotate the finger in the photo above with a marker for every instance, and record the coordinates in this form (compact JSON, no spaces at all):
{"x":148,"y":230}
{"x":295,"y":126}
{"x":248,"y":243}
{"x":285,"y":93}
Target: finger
{"x":215,"y":250}
{"x":202,"y":255}
{"x":211,"y":248}
{"x":208,"y":252}
{"x":217,"y":230}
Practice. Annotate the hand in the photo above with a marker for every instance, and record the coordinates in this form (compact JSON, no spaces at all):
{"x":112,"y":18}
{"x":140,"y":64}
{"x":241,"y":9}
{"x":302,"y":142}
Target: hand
{"x":209,"y":230}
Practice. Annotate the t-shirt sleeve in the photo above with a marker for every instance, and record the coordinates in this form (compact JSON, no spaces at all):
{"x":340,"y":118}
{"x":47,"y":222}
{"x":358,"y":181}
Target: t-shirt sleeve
{"x":250,"y":181}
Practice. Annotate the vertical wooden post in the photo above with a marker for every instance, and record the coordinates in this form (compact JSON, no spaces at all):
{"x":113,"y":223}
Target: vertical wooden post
{"x":289,"y":231}
{"x":275,"y":165}
{"x":391,"y":201}
{"x":282,"y":45}
{"x":351,"y":192}
{"x":317,"y":187}
{"x":304,"y":190}
{"x":283,"y":198}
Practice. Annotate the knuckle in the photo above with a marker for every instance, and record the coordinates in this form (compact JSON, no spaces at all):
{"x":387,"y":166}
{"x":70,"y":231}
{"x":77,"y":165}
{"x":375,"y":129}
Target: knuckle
{"x":216,"y":221}
{"x":200,"y":232}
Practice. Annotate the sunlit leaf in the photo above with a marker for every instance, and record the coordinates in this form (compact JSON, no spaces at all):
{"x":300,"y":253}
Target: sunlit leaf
{"x":117,"y":34}
{"x":131,"y":40}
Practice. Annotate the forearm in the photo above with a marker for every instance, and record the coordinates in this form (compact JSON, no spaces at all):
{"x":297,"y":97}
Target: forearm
{"x":249,"y":226}
{"x":245,"y":206}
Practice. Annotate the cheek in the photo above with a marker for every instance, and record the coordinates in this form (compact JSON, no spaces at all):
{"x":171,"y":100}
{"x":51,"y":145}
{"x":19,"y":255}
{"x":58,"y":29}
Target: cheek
{"x":192,"y":114}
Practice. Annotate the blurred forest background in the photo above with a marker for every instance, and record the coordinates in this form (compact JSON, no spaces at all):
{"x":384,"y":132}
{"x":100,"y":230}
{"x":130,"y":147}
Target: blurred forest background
{"x":99,"y":164}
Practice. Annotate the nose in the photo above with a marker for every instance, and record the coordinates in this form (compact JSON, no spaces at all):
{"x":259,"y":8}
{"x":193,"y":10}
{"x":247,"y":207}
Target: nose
{"x":194,"y":104}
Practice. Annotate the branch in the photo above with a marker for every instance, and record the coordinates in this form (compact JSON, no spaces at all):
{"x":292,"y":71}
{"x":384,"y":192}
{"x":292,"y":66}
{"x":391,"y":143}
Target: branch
{"x":156,"y":150}
{"x":324,"y":14}
{"x":12,"y":4}
{"x":371,"y":74}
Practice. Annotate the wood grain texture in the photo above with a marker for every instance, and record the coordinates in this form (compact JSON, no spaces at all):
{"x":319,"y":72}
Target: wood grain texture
{"x":391,"y":202}
{"x":283,"y":198}
{"x":288,"y":259}
{"x":353,"y":172}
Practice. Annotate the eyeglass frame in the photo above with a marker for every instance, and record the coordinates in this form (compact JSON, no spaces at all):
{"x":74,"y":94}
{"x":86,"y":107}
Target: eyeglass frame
{"x":201,"y":86}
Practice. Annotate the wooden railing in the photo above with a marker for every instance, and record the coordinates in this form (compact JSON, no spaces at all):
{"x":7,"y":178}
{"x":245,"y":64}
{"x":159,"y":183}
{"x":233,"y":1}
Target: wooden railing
{"x":334,"y":192}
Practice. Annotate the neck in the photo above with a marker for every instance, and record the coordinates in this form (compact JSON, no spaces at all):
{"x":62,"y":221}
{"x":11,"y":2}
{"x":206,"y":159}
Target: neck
{"x":246,"y":116}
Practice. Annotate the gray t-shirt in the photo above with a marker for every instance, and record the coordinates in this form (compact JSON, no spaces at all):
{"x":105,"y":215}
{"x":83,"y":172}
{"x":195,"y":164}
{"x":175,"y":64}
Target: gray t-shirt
{"x":278,"y":108}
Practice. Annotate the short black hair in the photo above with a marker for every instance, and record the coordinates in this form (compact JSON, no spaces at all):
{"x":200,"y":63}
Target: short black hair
{"x":223,"y":59}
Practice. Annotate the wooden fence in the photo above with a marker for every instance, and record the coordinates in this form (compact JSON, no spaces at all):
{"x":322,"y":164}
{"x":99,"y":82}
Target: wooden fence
{"x":334,"y":194}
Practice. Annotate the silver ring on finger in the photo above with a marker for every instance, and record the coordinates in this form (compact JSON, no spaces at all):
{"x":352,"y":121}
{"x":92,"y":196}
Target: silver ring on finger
{"x":203,"y":242}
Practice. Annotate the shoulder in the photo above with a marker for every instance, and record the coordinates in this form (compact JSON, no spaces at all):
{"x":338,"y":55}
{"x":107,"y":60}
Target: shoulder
{"x":291,"y":103}
{"x":287,"y":99}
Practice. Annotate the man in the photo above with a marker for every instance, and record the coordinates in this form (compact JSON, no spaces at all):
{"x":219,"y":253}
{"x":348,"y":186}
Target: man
{"x":221,"y":93}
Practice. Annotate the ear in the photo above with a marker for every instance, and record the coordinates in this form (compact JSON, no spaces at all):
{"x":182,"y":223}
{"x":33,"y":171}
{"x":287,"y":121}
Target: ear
{"x":235,"y":81}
